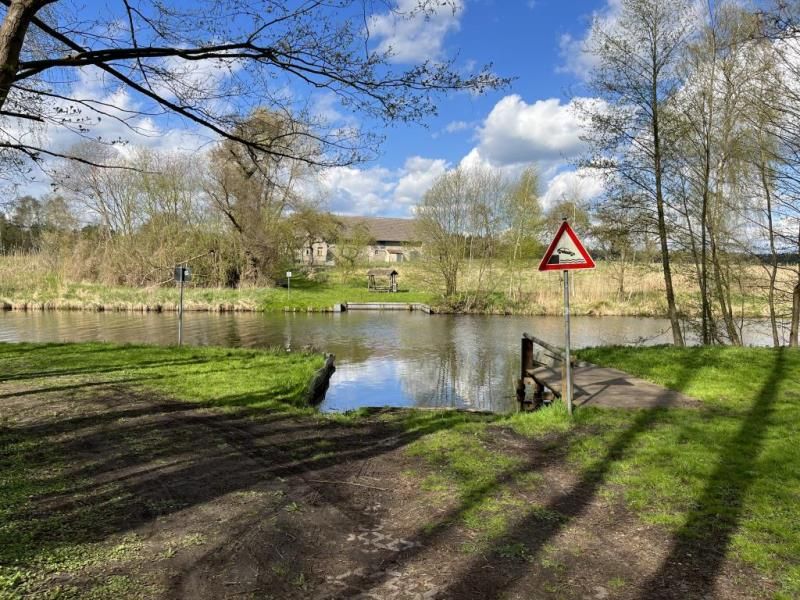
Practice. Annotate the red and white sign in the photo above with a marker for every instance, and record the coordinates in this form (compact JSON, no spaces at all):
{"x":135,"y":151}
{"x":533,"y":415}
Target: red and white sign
{"x":566,"y":252}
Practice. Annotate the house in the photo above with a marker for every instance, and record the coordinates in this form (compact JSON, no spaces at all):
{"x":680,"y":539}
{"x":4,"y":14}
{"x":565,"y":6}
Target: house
{"x":392,"y":240}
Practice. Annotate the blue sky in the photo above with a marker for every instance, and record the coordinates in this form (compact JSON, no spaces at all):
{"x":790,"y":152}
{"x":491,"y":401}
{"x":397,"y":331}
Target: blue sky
{"x":536,"y":41}
{"x":523,"y":40}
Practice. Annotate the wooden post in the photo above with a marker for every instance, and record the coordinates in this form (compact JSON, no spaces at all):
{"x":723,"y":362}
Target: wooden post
{"x":526,"y":363}
{"x":527,"y":357}
{"x":180,"y":307}
{"x":566,"y":373}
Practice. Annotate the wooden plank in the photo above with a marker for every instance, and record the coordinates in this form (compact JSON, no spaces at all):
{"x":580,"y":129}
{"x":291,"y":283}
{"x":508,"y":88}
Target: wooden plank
{"x":601,"y":386}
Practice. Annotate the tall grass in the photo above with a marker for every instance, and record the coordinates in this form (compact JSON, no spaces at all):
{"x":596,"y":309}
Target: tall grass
{"x":32,"y":281}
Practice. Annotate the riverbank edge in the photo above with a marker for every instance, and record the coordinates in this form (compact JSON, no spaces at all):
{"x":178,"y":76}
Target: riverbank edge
{"x":245,"y":307}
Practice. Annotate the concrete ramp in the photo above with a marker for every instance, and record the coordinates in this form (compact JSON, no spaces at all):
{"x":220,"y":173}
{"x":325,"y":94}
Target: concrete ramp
{"x":602,"y":386}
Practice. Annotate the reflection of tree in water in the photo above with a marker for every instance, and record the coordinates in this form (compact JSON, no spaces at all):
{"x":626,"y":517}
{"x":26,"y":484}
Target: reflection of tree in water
{"x":468,"y":370}
{"x":433,"y":381}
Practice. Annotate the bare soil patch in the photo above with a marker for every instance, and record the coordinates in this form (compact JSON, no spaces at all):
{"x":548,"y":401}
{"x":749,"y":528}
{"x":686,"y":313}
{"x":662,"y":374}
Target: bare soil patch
{"x":195,"y":503}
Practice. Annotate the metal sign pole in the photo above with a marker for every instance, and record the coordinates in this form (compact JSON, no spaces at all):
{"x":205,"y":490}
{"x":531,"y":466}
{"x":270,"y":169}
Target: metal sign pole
{"x":568,"y":383}
{"x":565,"y":253}
{"x":180,"y":308}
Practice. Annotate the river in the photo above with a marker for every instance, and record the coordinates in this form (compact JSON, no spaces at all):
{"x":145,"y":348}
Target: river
{"x":382,"y":358}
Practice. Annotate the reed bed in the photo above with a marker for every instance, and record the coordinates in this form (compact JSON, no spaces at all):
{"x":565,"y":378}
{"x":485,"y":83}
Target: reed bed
{"x":30,"y":282}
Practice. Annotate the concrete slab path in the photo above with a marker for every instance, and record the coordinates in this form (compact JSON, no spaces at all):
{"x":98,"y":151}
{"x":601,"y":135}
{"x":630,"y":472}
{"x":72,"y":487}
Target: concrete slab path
{"x":602,"y":386}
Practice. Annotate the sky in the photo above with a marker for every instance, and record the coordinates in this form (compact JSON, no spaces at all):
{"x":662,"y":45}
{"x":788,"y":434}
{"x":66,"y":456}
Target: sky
{"x":537,"y":42}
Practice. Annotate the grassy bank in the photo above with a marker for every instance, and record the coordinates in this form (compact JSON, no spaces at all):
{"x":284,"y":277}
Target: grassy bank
{"x":724,"y":481}
{"x":220,"y":377}
{"x":717,"y":486}
{"x":30,"y":283}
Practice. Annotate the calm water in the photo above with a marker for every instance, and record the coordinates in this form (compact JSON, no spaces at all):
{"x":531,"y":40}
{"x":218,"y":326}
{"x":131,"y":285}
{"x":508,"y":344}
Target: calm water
{"x":382,"y":359}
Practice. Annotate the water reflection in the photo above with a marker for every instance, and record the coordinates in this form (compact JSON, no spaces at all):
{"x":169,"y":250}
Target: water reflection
{"x":383,"y":359}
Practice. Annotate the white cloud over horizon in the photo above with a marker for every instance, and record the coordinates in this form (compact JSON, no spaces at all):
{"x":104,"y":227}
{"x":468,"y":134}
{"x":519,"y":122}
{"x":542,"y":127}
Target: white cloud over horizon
{"x":575,"y":58}
{"x":580,"y":185}
{"x":515,"y":134}
{"x":380,"y":191}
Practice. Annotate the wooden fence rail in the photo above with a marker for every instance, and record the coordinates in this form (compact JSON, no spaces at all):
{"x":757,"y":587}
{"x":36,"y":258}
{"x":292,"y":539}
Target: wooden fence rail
{"x":536,"y":353}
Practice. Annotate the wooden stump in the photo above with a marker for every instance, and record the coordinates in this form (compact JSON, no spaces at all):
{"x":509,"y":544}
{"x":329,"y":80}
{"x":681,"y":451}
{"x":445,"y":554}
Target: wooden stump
{"x":322,"y":379}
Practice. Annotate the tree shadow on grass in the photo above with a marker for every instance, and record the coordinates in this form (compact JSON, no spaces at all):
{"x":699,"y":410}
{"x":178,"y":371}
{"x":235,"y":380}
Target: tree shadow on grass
{"x":75,"y":479}
{"x":700,"y":546}
{"x":535,"y":529}
{"x":137,"y":460}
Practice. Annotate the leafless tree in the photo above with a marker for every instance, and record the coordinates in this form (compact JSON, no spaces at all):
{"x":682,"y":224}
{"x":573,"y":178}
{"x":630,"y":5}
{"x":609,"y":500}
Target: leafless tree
{"x":524,"y":222}
{"x":460,"y":221}
{"x":635,"y":77}
{"x":213,"y":63}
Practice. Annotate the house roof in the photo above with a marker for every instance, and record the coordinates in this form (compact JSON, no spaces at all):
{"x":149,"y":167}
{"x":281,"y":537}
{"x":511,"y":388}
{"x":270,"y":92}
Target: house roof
{"x":384,"y":229}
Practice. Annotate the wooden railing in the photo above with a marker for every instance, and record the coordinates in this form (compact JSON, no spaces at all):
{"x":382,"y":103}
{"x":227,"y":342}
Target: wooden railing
{"x":537,"y":353}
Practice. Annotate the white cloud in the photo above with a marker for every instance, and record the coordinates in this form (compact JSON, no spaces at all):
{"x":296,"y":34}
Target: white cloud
{"x":517,"y":132}
{"x":413,"y":35}
{"x":576,"y":59}
{"x":119,"y":116}
{"x":456,"y":126}
{"x":574,"y":50}
{"x":380,"y":191}
{"x":581,"y":185}
{"x":418,"y":176}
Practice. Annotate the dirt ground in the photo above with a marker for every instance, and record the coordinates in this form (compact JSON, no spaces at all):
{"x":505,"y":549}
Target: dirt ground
{"x":213,"y":505}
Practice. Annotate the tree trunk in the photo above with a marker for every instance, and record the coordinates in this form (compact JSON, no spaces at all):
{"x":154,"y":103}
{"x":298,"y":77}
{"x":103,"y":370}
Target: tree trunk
{"x":723,"y":291}
{"x":677,"y":334}
{"x":794,"y":333}
{"x":12,"y":36}
{"x":773,"y":274}
{"x":706,"y":305}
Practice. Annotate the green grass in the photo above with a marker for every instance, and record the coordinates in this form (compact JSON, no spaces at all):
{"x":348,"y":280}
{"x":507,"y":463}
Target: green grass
{"x":30,"y":281}
{"x":726,"y":476}
{"x":304,"y":295}
{"x":217,"y":376}
{"x":731,"y":472}
{"x":36,"y":544}
{"x":322,"y":296}
{"x":467,"y":468}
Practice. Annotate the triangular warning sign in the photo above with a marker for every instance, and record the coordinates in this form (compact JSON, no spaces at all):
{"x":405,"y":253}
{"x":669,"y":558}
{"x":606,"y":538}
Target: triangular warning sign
{"x":566,"y":252}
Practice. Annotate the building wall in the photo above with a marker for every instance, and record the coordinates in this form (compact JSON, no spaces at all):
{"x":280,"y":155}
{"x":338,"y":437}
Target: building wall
{"x":320,"y":253}
{"x":323,"y":253}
